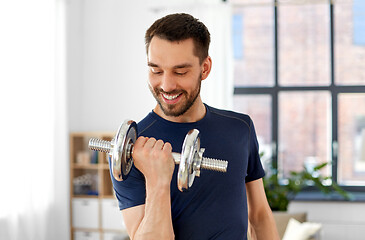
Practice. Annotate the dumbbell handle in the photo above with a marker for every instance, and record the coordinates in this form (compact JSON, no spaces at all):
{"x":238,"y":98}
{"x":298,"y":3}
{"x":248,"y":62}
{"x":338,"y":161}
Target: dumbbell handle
{"x":207,"y":163}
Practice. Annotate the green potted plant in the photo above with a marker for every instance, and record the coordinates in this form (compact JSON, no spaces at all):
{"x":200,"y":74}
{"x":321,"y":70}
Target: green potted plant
{"x":279,"y":195}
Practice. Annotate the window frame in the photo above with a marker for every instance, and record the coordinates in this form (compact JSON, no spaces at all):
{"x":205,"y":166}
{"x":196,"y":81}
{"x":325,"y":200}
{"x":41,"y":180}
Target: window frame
{"x":333,"y":89}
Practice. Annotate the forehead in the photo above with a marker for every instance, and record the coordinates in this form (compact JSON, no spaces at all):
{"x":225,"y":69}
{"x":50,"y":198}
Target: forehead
{"x":165,"y":53}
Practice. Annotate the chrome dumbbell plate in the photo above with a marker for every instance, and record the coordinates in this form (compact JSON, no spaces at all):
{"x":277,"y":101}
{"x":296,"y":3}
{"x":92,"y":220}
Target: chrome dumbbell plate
{"x":121,"y":154}
{"x":190,"y":160}
{"x":119,"y":149}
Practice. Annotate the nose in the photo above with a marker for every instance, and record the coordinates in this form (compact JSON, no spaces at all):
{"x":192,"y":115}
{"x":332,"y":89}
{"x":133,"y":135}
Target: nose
{"x":168,"y":83}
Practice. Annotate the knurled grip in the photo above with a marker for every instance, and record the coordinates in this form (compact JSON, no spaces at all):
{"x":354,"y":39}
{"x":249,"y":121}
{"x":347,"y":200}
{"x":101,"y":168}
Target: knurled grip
{"x":214,"y":164}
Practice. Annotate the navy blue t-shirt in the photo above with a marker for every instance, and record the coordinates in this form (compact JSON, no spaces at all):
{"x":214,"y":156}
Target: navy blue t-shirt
{"x":215,"y":207}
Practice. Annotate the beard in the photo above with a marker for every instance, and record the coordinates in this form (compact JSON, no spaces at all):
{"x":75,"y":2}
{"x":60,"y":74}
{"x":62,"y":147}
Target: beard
{"x":176,"y":110}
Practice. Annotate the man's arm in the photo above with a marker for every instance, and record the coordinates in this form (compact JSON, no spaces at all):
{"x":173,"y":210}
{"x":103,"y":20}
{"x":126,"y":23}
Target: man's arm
{"x":153,"y":219}
{"x":259,"y":212}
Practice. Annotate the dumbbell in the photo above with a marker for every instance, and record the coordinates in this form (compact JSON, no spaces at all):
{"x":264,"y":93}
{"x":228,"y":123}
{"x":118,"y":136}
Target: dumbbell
{"x":190,"y":160}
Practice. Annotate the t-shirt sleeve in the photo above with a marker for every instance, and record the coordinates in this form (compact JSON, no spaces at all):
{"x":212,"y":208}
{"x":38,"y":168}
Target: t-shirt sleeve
{"x":130,"y":192}
{"x":254,"y":168}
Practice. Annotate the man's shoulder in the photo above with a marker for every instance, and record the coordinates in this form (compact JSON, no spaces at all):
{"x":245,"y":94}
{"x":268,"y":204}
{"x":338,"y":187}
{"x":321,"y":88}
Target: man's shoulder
{"x":230,"y":116}
{"x":146,"y":123}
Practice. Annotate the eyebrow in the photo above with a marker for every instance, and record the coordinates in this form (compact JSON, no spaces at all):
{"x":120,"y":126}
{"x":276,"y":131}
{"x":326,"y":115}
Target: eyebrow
{"x":184,"y":65}
{"x":152,"y":64}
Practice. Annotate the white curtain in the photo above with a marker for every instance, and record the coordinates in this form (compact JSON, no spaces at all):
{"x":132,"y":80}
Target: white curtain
{"x":217,"y":89}
{"x":31,"y":98}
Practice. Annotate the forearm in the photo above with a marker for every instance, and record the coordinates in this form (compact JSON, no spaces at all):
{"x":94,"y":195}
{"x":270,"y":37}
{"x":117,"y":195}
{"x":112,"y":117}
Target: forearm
{"x":157,"y":221}
{"x":264,"y":227}
{"x":259,"y":213}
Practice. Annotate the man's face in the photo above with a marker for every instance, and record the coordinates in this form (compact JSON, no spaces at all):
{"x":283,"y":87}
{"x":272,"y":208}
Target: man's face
{"x":174,"y":75}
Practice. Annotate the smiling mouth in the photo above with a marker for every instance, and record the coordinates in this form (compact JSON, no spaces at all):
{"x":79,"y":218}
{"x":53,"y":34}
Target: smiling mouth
{"x":171,"y":97}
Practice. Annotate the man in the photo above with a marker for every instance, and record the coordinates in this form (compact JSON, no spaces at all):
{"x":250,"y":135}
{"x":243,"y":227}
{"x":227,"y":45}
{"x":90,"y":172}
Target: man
{"x":218,"y":205}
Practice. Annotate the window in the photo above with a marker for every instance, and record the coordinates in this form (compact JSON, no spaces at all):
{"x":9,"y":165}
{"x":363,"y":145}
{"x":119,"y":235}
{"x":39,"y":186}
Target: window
{"x":300,"y":74}
{"x":351,"y":138}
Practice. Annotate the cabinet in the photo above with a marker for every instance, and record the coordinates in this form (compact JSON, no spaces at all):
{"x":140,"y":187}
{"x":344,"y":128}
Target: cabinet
{"x":94,"y":209}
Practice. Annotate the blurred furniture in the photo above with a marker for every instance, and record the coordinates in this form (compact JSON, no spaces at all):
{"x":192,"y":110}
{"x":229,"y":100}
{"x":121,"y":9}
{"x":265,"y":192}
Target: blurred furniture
{"x":282,"y":220}
{"x":94,"y":209}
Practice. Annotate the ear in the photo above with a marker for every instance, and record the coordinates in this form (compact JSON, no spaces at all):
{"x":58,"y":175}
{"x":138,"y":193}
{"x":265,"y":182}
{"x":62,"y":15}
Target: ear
{"x":206,"y":67}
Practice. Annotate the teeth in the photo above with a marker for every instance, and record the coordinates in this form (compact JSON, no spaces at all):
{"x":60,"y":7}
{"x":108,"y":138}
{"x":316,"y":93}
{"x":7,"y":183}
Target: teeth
{"x":170,"y":97}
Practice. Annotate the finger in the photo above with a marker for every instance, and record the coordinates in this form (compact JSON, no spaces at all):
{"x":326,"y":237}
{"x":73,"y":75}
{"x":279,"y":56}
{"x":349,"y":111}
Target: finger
{"x":141,"y":141}
{"x":150,"y":143}
{"x":167,"y":147}
{"x":159,"y":144}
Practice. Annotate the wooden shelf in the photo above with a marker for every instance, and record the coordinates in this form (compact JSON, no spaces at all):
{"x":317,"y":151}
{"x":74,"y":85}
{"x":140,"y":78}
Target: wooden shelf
{"x":109,"y":196}
{"x":91,"y":190}
{"x":105,"y":166}
{"x":86,"y":229}
{"x":84,"y":196}
{"x":85,"y":166}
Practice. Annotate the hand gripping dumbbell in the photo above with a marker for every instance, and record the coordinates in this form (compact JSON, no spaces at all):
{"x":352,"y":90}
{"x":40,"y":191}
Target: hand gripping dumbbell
{"x":190,"y":160}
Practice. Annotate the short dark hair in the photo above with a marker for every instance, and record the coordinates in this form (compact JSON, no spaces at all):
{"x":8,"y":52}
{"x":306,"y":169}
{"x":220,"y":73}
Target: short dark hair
{"x":179,"y":27}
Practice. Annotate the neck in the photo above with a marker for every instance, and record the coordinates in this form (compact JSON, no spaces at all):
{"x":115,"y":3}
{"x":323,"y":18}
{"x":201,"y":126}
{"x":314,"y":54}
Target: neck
{"x":195,"y":113}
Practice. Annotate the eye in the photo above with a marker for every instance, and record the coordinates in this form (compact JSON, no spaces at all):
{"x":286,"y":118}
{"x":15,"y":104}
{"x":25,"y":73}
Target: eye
{"x":180,"y":73}
{"x":156,"y":71}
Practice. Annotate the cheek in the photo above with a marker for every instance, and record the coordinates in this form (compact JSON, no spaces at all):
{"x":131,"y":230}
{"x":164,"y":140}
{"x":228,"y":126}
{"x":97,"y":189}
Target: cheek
{"x":191,"y":82}
{"x":152,"y":80}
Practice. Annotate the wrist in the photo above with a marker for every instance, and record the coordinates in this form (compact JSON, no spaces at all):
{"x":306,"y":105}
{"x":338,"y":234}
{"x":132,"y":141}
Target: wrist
{"x":158,"y":185}
{"x":157,"y":194}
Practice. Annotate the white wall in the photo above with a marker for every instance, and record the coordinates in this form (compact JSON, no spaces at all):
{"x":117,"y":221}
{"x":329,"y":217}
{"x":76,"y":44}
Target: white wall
{"x":106,"y":64}
{"x":107,"y":73}
{"x":340,"y":220}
